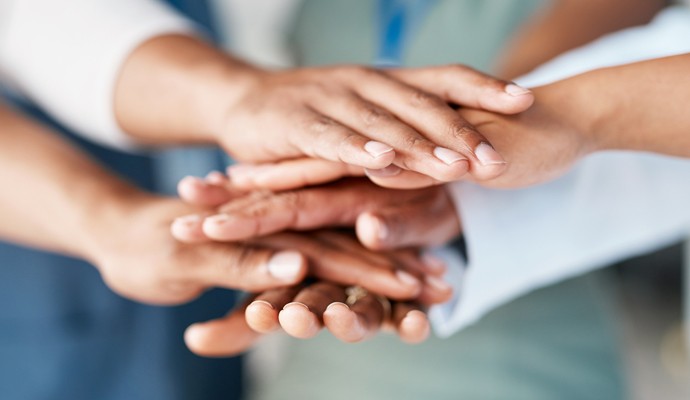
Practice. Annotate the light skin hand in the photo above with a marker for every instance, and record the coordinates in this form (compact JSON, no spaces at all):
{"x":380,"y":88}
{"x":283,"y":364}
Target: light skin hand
{"x":383,"y":218}
{"x":371,"y":118}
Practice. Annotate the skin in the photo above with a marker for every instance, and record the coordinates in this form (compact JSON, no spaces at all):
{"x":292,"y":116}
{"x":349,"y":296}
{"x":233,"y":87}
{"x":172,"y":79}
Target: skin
{"x":372,"y":210}
{"x":176,"y":89}
{"x":124,"y":233}
{"x":597,"y":111}
{"x":566,"y":24}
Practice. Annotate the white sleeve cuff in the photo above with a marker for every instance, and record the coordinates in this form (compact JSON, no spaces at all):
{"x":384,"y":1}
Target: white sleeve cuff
{"x":66,"y":56}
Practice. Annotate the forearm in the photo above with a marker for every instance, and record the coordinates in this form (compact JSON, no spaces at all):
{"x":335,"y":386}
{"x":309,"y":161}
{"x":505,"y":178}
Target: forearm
{"x":54,"y":197}
{"x":640,"y":106}
{"x":177,"y":89}
{"x":568,"y":24}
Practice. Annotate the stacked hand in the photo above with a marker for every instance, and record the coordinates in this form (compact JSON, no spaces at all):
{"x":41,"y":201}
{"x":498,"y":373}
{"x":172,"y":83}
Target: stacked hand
{"x":384,"y":219}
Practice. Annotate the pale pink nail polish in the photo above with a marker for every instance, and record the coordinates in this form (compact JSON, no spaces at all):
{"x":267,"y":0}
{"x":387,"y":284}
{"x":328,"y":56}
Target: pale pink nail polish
{"x":515,"y":90}
{"x":487,"y":155}
{"x":377,"y":149}
{"x":448,"y":156}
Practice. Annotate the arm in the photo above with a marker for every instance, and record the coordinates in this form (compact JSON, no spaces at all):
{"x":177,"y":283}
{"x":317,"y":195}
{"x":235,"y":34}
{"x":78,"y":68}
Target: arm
{"x":566,"y":24}
{"x":143,"y":78}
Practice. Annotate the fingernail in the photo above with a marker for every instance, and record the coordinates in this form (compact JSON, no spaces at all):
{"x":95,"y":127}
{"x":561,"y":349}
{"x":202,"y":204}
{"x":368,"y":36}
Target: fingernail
{"x":434,"y":263}
{"x":338,"y":304}
{"x":295,"y":304}
{"x":262,"y":303}
{"x":448,"y":156}
{"x":194,"y":180}
{"x":215,"y":177}
{"x":188,"y":220}
{"x":515,"y":90}
{"x":406,"y":279}
{"x":391,"y":170}
{"x":218,"y":219}
{"x":438,"y":284}
{"x":377,"y":149}
{"x":487,"y":155}
{"x":286,"y":265}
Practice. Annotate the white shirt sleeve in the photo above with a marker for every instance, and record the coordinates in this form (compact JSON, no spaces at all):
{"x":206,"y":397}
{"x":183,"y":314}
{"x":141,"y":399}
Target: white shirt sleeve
{"x":66,"y":55}
{"x":612,"y":206}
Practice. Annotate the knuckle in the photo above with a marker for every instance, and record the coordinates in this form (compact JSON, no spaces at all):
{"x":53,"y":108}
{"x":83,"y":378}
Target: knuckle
{"x":321,"y":124}
{"x":372,"y":115}
{"x":461,"y":130}
{"x":423,"y":99}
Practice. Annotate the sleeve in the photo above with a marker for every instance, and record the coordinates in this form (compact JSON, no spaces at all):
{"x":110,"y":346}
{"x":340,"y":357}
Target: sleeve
{"x":611,"y":207}
{"x":66,"y":55}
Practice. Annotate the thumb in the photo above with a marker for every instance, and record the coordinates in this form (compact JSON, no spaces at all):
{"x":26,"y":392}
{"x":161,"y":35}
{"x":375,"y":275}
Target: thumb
{"x":403,"y":226}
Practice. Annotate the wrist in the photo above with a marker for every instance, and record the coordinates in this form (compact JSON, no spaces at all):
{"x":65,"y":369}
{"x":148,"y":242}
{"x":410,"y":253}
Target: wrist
{"x":107,"y":218}
{"x":571,"y":103}
{"x":176,"y":89}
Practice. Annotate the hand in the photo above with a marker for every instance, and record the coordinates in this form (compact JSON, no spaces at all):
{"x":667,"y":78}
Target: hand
{"x":291,"y":309}
{"x":139,"y":259}
{"x":539,"y":145}
{"x":371,"y":118}
{"x":383,"y":218}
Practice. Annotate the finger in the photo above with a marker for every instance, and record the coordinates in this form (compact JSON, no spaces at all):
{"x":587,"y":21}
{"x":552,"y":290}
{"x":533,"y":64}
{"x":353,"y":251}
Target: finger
{"x":290,"y":174}
{"x":197,"y":191}
{"x":323,"y":137}
{"x":406,"y":225}
{"x":396,"y":178}
{"x":434,"y":289}
{"x":222,"y":337}
{"x":413,"y":150}
{"x":440,"y":124}
{"x":333,"y":264}
{"x":244,"y":267}
{"x":357,"y":322}
{"x":262,"y":313}
{"x":307,"y":209}
{"x":467,"y":87}
{"x":410,"y":322}
{"x":189,"y":228}
{"x":303,"y":317}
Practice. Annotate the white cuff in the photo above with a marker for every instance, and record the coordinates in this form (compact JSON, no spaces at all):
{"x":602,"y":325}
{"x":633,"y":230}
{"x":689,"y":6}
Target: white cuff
{"x":66,"y":56}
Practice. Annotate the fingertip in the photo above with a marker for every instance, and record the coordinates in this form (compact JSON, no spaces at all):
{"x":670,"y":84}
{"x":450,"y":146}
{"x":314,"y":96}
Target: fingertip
{"x":513,"y":99}
{"x":288,"y":266}
{"x":262,"y":317}
{"x":414,"y":327}
{"x":372,"y":231}
{"x":188,"y":229}
{"x":343,"y":323}
{"x":298,"y":321}
{"x":224,"y":227}
{"x":196,"y":337}
{"x":188,"y":188}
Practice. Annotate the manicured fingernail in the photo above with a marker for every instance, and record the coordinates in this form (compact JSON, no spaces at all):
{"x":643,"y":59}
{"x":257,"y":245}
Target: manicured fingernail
{"x":406,"y":279}
{"x":188,"y":220}
{"x":487,"y":155}
{"x":215,"y":177}
{"x":515,"y":90}
{"x":377,"y":149}
{"x":438,"y":284}
{"x":295,"y":304}
{"x":448,"y":156}
{"x":434,"y":263}
{"x":387,"y":172}
{"x":286,"y":265}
